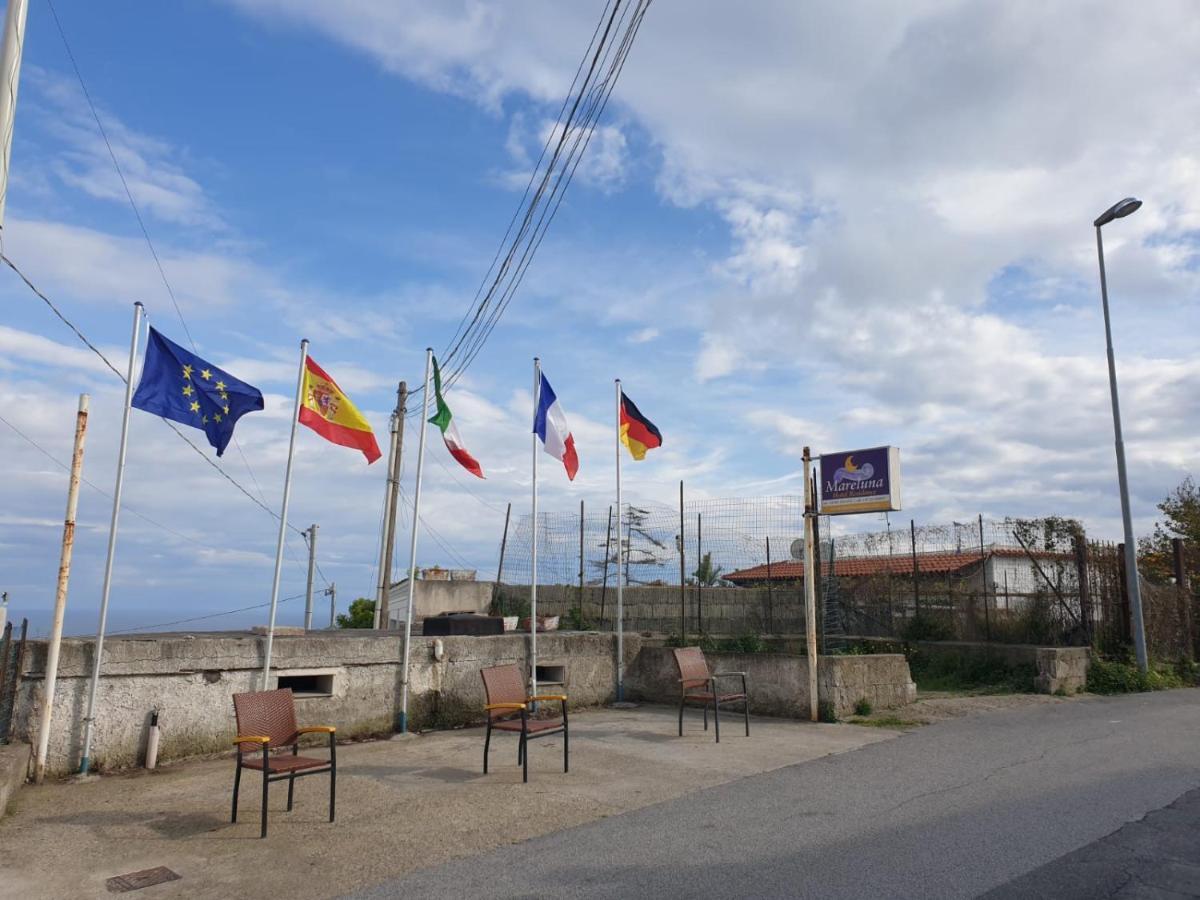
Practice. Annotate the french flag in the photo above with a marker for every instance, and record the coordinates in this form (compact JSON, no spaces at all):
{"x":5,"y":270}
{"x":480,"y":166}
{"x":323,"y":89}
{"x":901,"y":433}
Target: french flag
{"x":550,"y":425}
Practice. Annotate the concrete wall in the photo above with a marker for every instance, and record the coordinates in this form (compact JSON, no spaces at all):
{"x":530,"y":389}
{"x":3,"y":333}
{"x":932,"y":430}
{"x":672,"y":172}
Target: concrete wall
{"x":778,"y":683}
{"x":724,"y":611}
{"x":191,"y":679}
{"x":1058,"y":668}
{"x":432,"y":598}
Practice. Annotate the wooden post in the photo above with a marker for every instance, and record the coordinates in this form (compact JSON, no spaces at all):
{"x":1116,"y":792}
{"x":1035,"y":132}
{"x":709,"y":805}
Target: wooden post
{"x":60,"y":596}
{"x":983,"y":580}
{"x":810,"y":584}
{"x":699,"y":581}
{"x":770,"y":595}
{"x":393,"y":502}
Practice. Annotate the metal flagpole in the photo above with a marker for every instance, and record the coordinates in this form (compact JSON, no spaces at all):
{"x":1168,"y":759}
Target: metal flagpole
{"x":98,"y":650}
{"x":620,"y":564}
{"x":10,"y":74}
{"x":412,"y":544}
{"x":537,"y":390}
{"x":283,"y":513}
{"x":60,"y":597}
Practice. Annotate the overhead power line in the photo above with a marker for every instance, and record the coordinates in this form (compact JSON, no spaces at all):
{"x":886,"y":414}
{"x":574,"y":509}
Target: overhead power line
{"x":562,"y":151}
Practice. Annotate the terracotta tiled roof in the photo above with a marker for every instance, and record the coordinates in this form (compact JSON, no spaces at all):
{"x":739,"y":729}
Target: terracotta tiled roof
{"x":939,"y":563}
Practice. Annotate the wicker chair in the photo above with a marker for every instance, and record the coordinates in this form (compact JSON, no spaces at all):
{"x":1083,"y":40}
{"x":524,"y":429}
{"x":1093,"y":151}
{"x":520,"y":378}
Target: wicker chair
{"x":693,"y":674}
{"x":266,"y":720}
{"x":508,"y":710}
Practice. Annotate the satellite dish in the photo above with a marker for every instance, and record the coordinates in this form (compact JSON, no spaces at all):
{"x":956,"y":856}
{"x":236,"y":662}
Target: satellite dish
{"x":797,"y":548}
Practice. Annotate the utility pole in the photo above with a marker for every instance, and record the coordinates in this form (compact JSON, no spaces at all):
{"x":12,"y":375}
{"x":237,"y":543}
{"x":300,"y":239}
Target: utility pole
{"x":60,"y":596}
{"x":812,"y":560}
{"x":393,"y":498}
{"x":311,"y":535}
{"x":332,"y":592}
{"x":10,"y":76}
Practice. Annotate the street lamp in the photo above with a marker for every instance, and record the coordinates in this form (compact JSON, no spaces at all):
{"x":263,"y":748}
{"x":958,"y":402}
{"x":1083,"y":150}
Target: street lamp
{"x":1133,"y":584}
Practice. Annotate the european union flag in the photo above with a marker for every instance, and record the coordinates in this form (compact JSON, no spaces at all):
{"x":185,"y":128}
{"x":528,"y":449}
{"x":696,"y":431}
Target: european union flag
{"x":178,"y":385}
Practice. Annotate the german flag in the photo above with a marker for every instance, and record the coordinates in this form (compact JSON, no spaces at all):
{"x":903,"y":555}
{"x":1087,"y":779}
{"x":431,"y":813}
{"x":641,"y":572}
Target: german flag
{"x":637,"y":432}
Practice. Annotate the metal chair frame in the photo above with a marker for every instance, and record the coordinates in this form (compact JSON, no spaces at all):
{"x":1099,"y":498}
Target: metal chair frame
{"x":694,"y":673}
{"x":292,"y":739}
{"x":503,"y":707}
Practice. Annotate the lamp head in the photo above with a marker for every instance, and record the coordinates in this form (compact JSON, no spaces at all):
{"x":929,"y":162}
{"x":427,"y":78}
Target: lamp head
{"x":1118,"y":211}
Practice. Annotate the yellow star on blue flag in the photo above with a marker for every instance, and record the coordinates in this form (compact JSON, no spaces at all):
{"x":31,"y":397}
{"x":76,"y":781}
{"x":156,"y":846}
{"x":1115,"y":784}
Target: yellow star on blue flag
{"x":178,"y":385}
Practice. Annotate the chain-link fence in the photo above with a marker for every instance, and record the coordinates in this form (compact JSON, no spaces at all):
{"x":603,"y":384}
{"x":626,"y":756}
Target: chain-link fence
{"x":734,"y":567}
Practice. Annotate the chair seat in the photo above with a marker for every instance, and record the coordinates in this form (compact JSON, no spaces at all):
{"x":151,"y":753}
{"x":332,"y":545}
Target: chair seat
{"x":708,"y":697}
{"x":285,"y":763}
{"x":534,"y":725}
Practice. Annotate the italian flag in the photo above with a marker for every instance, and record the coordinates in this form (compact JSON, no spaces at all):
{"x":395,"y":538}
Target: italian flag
{"x":444,"y":420}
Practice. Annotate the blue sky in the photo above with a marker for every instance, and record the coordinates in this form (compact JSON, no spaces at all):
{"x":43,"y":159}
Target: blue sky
{"x":839,"y":228}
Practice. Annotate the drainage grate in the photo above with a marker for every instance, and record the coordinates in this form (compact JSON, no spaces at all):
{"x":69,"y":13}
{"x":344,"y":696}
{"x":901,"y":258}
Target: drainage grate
{"x":134,"y":881}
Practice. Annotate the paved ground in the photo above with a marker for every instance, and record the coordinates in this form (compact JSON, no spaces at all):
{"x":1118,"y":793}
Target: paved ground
{"x":951,"y":810}
{"x":1156,"y":857}
{"x":402,"y":805}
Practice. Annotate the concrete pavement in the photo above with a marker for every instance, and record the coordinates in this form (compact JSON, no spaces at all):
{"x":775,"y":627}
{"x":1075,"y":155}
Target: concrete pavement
{"x":401,"y":804}
{"x":951,"y":810}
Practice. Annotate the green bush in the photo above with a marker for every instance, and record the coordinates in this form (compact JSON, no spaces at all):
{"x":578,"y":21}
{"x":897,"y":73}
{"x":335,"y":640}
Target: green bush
{"x":862,"y":707}
{"x":1120,"y":676}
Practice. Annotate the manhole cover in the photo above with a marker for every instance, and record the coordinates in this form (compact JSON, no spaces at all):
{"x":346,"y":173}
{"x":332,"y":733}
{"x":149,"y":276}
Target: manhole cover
{"x":134,"y":881}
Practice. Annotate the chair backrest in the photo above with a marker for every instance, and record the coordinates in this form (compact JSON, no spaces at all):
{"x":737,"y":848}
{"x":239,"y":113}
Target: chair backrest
{"x":503,"y":684}
{"x":268,"y":713}
{"x":693,"y":668}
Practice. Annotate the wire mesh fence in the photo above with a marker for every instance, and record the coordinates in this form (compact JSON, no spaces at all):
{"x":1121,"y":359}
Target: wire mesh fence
{"x":734,"y":567}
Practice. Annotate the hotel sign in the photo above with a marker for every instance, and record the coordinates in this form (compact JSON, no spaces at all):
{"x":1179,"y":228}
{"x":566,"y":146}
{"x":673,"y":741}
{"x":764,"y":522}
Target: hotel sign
{"x":860,"y":481}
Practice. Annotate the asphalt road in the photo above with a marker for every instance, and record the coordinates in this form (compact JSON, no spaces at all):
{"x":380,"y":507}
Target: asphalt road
{"x":951,"y":810}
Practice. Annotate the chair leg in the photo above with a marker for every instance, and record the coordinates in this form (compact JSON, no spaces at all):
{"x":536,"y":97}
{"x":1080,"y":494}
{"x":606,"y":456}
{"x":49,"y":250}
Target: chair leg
{"x":706,"y":717}
{"x":717,"y":718}
{"x":237,"y":783}
{"x":332,"y":775}
{"x":487,"y":742}
{"x":524,"y":757}
{"x":681,"y":699}
{"x":746,"y":713}
{"x":566,"y":745}
{"x":520,"y":748}
{"x":292,"y":778}
{"x":266,"y":784}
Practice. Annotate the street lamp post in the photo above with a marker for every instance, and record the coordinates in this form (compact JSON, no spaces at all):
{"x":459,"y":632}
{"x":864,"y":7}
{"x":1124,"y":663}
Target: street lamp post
{"x":1133,"y":583}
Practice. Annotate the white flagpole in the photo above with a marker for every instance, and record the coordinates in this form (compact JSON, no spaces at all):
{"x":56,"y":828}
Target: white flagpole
{"x":98,"y":650}
{"x":283,"y":514}
{"x":412,"y":544}
{"x":10,"y":75}
{"x":620,"y":564}
{"x":533,"y":541}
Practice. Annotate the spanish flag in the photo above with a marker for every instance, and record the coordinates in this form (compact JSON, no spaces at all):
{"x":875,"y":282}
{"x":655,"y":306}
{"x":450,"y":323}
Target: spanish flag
{"x":329,"y":412}
{"x":637,"y":432}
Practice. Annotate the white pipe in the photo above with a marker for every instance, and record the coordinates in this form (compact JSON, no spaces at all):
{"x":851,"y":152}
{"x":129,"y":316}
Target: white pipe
{"x":98,"y":651}
{"x":283,"y":514}
{"x":152,"y":741}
